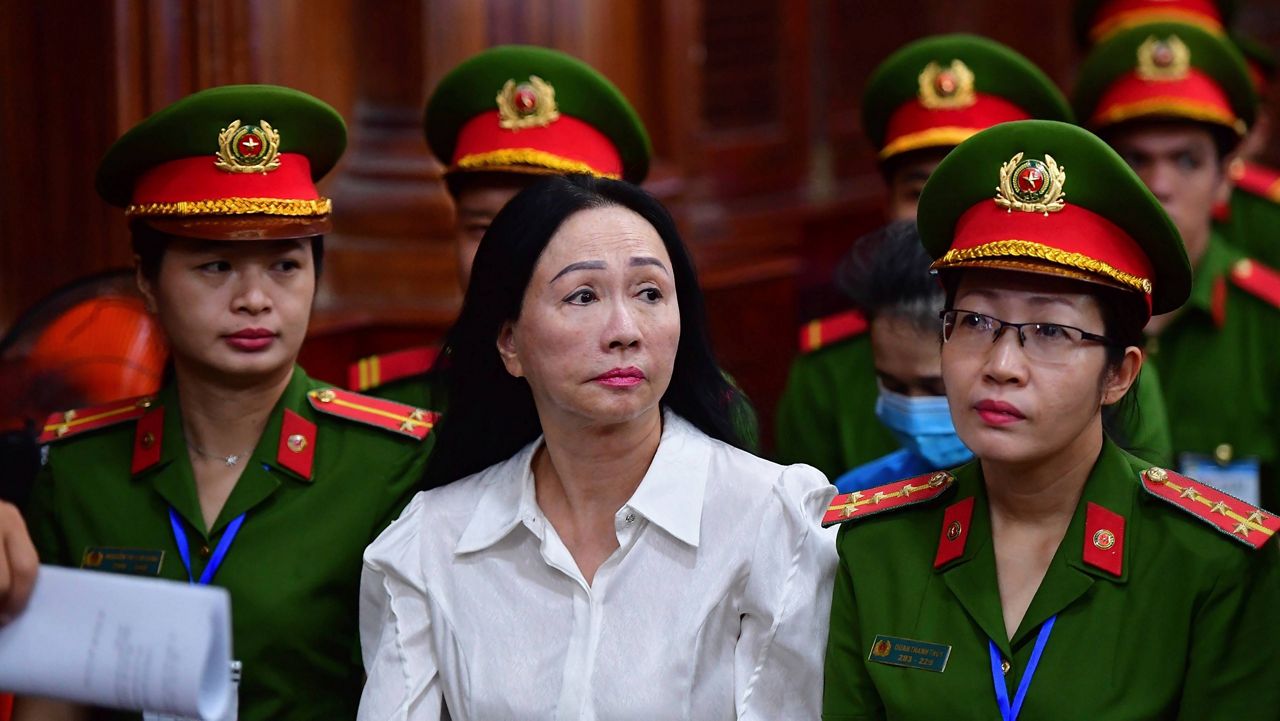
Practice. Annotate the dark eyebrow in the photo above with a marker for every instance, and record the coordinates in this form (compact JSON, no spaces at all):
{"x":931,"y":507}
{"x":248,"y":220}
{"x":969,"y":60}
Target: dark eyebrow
{"x":580,"y":265}
{"x":649,"y":260}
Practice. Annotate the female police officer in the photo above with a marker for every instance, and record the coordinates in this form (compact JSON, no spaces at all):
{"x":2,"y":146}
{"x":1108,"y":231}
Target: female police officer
{"x":1056,"y":575}
{"x":242,"y":471}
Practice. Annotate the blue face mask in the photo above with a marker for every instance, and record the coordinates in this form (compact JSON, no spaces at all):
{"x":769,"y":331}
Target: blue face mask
{"x":922,"y":424}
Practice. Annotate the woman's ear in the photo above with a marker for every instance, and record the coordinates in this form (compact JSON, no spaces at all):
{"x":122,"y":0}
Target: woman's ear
{"x":144,"y":286}
{"x":507,"y":349}
{"x":1121,"y":377}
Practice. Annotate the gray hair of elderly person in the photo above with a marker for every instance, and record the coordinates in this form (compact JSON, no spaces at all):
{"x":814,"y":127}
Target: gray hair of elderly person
{"x":886,"y":272}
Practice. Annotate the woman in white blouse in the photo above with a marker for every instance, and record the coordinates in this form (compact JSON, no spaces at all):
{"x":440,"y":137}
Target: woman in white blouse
{"x":595,"y":546}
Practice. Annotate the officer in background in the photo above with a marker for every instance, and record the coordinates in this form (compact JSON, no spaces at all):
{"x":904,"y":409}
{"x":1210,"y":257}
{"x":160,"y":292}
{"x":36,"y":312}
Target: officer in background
{"x":1175,"y":101}
{"x":1250,"y":220}
{"x":920,"y":102}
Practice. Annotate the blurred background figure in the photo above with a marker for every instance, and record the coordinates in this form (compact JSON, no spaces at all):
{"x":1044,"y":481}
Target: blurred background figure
{"x":887,"y":275}
{"x":1250,"y":219}
{"x":85,"y":344}
{"x":1175,"y":101}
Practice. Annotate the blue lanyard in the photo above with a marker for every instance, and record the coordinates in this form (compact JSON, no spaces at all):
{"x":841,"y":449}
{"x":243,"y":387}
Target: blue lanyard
{"x":219,"y":551}
{"x":1010,"y":712}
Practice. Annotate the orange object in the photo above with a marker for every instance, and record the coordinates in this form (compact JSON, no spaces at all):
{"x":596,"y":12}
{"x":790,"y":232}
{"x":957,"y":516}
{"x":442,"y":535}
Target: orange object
{"x":105,"y":348}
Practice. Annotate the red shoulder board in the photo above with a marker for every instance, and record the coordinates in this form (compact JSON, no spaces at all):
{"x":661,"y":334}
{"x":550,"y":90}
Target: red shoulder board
{"x":379,"y":412}
{"x":1257,"y":279}
{"x":1257,"y":180}
{"x":834,"y":328}
{"x":376,"y":370}
{"x":1232,"y":516}
{"x":66,"y":424}
{"x":899,"y":494}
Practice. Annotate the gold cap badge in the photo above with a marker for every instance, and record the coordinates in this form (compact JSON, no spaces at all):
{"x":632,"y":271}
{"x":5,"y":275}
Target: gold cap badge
{"x":530,"y":104}
{"x":1163,"y":60}
{"x":1032,"y":186}
{"x":947,"y":88}
{"x":248,"y":148}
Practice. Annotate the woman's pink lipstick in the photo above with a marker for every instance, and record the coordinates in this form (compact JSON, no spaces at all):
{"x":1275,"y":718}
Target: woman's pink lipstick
{"x":250,"y":340}
{"x":621,"y":377}
{"x":998,"y":413}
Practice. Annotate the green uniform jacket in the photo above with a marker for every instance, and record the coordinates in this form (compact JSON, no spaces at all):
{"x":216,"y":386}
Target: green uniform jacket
{"x":293,"y":571}
{"x":827,"y":414}
{"x":1189,"y":629}
{"x":1254,"y":226}
{"x":1222,"y":382}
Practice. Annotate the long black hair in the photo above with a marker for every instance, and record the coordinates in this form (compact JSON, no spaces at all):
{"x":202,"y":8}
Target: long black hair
{"x":491,"y":414}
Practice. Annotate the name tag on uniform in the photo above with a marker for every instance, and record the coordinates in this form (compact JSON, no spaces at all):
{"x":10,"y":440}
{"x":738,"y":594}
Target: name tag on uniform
{"x":1242,"y":478}
{"x":130,"y":561}
{"x":907,"y":653}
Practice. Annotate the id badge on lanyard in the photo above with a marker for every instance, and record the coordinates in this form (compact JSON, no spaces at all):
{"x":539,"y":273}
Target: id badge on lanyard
{"x":210,"y":570}
{"x":1241,"y":478}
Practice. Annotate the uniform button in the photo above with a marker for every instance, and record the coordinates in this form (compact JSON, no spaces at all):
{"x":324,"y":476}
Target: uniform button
{"x":204,"y":551}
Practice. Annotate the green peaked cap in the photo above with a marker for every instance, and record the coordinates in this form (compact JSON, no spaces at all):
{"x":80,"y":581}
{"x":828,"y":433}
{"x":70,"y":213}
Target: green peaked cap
{"x":190,"y":127}
{"x":998,"y":70}
{"x":1096,"y":179}
{"x":1212,"y":55}
{"x":581,"y":92}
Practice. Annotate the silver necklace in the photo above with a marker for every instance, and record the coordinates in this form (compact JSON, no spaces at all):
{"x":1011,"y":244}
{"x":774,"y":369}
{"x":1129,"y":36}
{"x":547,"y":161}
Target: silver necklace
{"x":230,"y":460}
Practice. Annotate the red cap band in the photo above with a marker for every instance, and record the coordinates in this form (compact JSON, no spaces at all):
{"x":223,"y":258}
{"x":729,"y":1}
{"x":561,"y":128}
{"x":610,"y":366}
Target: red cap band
{"x":1122,"y":14}
{"x":1073,"y":238}
{"x":1195,"y":97}
{"x":566,"y":145}
{"x":196,"y":179}
{"x":913,"y":126}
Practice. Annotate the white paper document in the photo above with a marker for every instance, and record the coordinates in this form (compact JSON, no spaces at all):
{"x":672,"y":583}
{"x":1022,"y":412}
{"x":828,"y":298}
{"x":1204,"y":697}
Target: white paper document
{"x":124,"y":642}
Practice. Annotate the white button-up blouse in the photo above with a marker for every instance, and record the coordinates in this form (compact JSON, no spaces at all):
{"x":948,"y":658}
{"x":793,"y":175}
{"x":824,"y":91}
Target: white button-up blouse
{"x":714,"y":606}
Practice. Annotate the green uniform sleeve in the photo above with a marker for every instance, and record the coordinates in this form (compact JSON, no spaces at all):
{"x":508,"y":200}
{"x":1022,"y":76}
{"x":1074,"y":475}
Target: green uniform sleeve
{"x":848,"y":694}
{"x":806,"y":422}
{"x":1231,"y":671}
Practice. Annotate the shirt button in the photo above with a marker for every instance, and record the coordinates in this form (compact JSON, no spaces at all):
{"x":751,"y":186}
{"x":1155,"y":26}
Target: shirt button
{"x":204,"y":551}
{"x":630,"y":518}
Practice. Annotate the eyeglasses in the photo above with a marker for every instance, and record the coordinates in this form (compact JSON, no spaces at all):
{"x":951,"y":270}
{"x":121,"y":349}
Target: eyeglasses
{"x":1043,"y":342}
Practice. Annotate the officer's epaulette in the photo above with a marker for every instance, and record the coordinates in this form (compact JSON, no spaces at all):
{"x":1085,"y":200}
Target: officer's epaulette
{"x":1257,"y":280}
{"x":891,"y":496}
{"x":68,"y":424}
{"x":834,"y":328}
{"x":376,"y":370}
{"x":378,"y":412}
{"x":1233,"y":517}
{"x":1256,"y":180}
